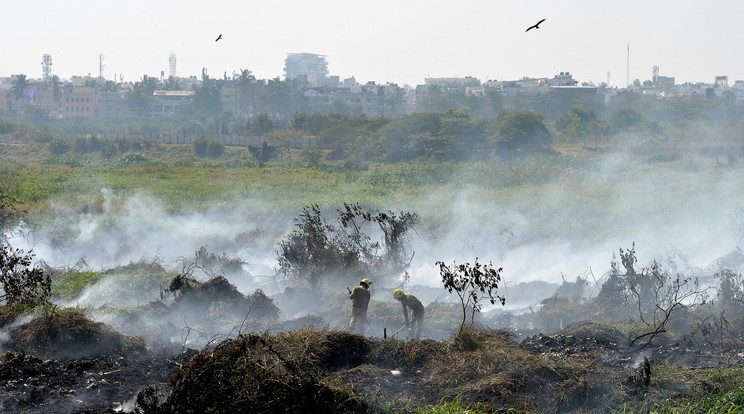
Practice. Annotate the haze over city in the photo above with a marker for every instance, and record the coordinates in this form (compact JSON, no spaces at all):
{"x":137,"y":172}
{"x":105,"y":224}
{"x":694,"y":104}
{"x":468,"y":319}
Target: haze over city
{"x":382,"y":41}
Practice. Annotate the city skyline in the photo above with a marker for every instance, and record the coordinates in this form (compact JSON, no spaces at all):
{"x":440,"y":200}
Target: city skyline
{"x":384,"y":41}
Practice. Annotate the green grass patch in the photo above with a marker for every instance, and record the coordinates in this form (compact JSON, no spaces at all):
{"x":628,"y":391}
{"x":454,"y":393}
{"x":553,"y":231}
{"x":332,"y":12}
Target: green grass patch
{"x":71,"y":283}
{"x":544,"y":195}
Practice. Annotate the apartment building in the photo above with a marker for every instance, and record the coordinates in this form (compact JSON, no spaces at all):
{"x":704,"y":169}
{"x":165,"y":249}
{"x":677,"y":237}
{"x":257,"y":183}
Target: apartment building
{"x":309,"y":68}
{"x":43,"y":93}
{"x":4,"y":92}
{"x":79,"y":102}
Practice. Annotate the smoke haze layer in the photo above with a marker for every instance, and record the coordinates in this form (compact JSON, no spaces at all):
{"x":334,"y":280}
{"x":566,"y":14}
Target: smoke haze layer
{"x":544,"y":219}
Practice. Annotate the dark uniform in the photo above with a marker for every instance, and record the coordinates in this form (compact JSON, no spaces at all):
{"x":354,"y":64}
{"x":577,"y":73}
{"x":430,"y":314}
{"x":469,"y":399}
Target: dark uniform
{"x":359,"y":301}
{"x":417,"y":313}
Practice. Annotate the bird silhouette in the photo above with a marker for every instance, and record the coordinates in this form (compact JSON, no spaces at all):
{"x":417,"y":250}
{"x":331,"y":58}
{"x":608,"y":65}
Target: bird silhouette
{"x":218,"y":37}
{"x":535,"y":26}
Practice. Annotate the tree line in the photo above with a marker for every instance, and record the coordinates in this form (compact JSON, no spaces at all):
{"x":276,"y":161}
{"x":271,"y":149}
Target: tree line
{"x":453,"y":127}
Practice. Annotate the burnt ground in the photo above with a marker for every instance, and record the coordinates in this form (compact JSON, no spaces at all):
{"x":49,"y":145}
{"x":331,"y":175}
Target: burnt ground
{"x":584,"y":368}
{"x":92,"y":384}
{"x":63,"y":362}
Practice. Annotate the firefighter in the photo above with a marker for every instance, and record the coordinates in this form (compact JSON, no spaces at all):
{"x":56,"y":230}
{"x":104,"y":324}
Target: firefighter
{"x":359,"y":301}
{"x":417,"y":311}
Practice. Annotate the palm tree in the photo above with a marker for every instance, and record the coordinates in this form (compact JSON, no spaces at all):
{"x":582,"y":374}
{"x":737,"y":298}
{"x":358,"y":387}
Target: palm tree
{"x":245,"y":84}
{"x":395,"y":99}
{"x":92,"y":83}
{"x":140,"y":98}
{"x":172,"y":84}
{"x":110,"y":86}
{"x":56,"y":92}
{"x":19,"y":87}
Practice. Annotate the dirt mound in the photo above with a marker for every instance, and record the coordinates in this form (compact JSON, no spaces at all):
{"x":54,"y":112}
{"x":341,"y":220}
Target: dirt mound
{"x":218,"y":296}
{"x":262,"y":306}
{"x":342,"y":349}
{"x":69,"y":334}
{"x":246,"y":375}
{"x":291,"y":371}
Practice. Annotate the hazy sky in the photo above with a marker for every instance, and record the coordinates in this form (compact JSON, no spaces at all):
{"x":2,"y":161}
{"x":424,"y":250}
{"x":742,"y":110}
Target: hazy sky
{"x":401,"y":41}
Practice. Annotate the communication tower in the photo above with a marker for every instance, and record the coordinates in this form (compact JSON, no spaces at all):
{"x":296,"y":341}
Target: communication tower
{"x":46,"y":64}
{"x":655,"y":75}
{"x":627,"y":69}
{"x":100,"y":66}
{"x":172,"y":60}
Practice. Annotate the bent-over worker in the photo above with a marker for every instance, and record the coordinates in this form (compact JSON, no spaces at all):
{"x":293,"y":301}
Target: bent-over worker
{"x":417,"y":311}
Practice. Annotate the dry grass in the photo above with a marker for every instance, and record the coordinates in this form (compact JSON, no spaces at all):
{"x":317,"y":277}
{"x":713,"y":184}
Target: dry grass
{"x":484,"y":367}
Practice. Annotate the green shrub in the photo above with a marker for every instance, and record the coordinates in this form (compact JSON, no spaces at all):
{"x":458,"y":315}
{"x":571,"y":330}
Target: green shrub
{"x":184,"y":162}
{"x":58,"y":146}
{"x":215,"y":148}
{"x":132,"y":159}
{"x":108,"y":150}
{"x":42,"y":135}
{"x":200,"y":147}
{"x":80,"y":146}
{"x":123,"y":145}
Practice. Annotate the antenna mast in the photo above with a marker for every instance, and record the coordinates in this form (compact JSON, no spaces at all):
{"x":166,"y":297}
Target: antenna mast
{"x":46,"y":64}
{"x":172,"y":60}
{"x":100,"y":66}
{"x":627,"y":70}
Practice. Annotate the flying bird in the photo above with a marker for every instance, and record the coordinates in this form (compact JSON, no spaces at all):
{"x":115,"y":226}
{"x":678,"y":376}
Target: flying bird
{"x":220,"y":36}
{"x":535,"y":26}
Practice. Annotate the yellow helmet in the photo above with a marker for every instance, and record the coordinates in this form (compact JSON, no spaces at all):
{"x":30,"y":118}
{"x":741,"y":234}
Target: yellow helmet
{"x":366,"y":281}
{"x":398,"y":293}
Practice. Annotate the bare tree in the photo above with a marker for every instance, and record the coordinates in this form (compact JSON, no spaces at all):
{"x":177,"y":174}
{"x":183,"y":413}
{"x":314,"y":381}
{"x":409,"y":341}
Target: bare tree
{"x":655,"y":294}
{"x":472,"y":283}
{"x":391,"y":255}
{"x":317,"y":249}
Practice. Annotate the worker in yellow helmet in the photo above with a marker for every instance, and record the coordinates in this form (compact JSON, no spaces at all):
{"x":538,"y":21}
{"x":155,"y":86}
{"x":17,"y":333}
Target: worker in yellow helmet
{"x":359,"y":302}
{"x":417,"y":311}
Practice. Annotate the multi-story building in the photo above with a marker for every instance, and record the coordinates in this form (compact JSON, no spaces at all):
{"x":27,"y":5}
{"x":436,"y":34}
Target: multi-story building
{"x":562,"y":79}
{"x":525,"y":87}
{"x":79,"y":101}
{"x":43,"y":93}
{"x":308,"y":67}
{"x":166,"y":103}
{"x":114,"y":104}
